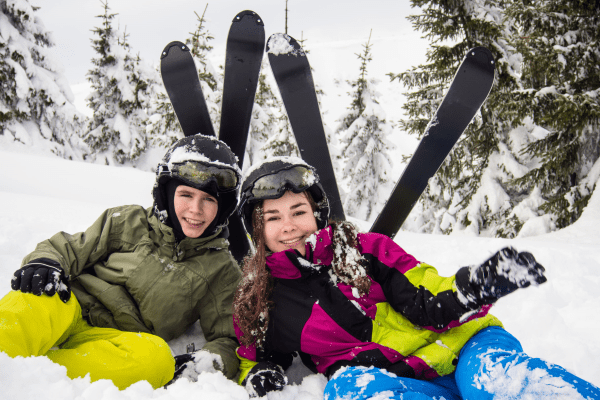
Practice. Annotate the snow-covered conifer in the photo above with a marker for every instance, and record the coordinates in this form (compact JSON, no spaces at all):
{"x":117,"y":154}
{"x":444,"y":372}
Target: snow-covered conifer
{"x":276,"y":128}
{"x":122,"y":89}
{"x":560,"y":43}
{"x":473,"y":189}
{"x":263,"y":120}
{"x":282,"y":141}
{"x":365,"y":150}
{"x":36,"y":102}
{"x":210,"y":79}
{"x":164,"y":127}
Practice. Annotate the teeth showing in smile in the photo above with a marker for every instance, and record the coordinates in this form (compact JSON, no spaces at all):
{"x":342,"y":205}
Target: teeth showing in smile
{"x":193,"y":222}
{"x":292,"y":241}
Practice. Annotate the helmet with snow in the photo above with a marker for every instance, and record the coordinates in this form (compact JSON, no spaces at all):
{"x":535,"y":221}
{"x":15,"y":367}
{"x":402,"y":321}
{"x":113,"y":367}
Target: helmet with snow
{"x":204,"y":163}
{"x":271,"y":178}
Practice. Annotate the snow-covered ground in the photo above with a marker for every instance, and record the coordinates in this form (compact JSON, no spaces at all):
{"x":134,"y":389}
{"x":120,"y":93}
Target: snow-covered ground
{"x":41,"y":195}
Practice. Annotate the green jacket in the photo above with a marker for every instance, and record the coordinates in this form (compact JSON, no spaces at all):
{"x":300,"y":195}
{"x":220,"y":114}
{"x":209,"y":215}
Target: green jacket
{"x":128,"y":273}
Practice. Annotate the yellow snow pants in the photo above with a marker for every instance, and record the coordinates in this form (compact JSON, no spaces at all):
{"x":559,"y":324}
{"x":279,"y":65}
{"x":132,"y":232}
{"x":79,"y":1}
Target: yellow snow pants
{"x":45,"y":326}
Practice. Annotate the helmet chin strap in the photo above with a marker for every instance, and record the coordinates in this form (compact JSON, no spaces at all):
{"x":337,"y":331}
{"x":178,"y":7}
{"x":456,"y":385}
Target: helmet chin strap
{"x":171,"y":187}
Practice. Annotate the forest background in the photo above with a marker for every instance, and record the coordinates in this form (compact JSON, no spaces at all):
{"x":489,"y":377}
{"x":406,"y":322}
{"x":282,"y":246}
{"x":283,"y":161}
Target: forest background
{"x":528,"y":163}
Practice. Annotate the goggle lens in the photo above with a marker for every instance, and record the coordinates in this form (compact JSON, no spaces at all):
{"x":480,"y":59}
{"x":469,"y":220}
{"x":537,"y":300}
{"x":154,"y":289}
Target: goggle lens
{"x":270,"y":186}
{"x":201,"y":174}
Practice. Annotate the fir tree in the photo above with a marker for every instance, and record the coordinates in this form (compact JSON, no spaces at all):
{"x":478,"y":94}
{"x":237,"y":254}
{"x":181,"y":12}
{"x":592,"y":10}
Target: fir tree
{"x":560,"y":43}
{"x":365,"y":150}
{"x":282,"y":141}
{"x":473,"y":189}
{"x":210,"y":79}
{"x":35,"y":98}
{"x":264,"y":119}
{"x":200,"y":48}
{"x":122,"y":89}
{"x":163,"y":126}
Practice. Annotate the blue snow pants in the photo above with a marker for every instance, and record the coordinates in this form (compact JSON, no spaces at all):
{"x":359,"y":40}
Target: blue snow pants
{"x":490,"y":365}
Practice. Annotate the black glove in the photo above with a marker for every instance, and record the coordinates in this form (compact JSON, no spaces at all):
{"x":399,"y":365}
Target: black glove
{"x":42,"y":275}
{"x":181,"y":365}
{"x":264,"y":377}
{"x":501,"y":274}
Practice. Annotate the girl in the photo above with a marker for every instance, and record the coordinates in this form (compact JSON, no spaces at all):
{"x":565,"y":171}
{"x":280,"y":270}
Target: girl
{"x":136,"y":278}
{"x":359,"y":309}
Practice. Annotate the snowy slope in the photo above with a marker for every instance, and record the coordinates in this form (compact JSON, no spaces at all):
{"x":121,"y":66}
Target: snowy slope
{"x":41,"y":195}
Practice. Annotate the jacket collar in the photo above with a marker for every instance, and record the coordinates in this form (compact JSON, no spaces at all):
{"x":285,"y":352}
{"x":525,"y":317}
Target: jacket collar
{"x":290,"y":264}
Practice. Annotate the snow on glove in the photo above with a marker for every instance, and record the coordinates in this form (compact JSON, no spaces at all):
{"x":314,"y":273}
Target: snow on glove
{"x":191,"y":365}
{"x":264,"y":377}
{"x":42,"y":275}
{"x":503,"y":273}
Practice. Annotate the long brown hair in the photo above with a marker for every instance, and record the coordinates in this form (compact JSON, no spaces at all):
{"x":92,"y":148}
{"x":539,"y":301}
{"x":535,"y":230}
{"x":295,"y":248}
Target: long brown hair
{"x":251,"y":304}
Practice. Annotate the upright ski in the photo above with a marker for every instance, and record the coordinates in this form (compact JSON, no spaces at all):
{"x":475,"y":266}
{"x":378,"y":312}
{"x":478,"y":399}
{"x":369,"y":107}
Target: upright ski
{"x":181,"y":81}
{"x":293,"y":75}
{"x":180,"y":78}
{"x":243,"y":57}
{"x":469,"y":89}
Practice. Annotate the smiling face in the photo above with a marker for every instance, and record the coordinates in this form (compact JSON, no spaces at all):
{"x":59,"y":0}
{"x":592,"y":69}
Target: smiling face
{"x":289,"y":220}
{"x":195,"y":210}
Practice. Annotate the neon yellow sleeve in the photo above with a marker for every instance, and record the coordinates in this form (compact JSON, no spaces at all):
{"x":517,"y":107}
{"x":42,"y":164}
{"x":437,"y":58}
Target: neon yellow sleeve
{"x":245,"y":367}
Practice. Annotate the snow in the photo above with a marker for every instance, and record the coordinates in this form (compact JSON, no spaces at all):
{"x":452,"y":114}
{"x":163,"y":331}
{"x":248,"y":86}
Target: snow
{"x":279,"y":43}
{"x":41,"y":195}
{"x":539,"y":383}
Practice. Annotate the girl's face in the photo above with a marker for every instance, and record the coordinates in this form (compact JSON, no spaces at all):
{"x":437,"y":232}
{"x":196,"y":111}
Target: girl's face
{"x":195,"y":210}
{"x":289,"y":220}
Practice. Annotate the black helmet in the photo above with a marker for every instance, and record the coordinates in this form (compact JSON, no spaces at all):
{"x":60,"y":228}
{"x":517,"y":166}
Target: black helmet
{"x":204,"y":163}
{"x":271,"y":178}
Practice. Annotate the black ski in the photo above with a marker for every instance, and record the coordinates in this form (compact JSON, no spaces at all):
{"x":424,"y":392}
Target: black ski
{"x":243,"y":57}
{"x":471,"y":86}
{"x":181,"y":81}
{"x":293,"y":75}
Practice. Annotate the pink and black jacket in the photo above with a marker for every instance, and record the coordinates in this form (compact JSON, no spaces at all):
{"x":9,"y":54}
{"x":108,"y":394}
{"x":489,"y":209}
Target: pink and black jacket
{"x":410,"y":315}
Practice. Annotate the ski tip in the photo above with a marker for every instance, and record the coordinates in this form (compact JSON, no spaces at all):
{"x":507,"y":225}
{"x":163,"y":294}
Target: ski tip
{"x":251,"y":14}
{"x":171,"y":45}
{"x":282,"y":43}
{"x":482,"y":56}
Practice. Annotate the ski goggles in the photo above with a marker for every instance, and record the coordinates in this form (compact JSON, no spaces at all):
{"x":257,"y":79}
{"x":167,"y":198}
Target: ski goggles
{"x":200,"y":174}
{"x":297,"y":178}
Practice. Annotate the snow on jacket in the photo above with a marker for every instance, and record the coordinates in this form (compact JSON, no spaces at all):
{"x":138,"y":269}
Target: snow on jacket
{"x":410,"y":313}
{"x":128,"y":273}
